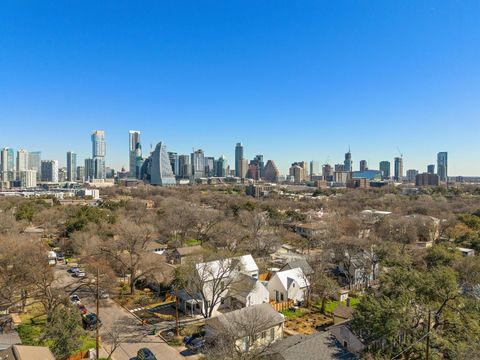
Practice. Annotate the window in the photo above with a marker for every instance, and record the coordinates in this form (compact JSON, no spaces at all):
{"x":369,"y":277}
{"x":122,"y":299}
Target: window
{"x":293,"y":284}
{"x":264,"y":334}
{"x":281,"y":296}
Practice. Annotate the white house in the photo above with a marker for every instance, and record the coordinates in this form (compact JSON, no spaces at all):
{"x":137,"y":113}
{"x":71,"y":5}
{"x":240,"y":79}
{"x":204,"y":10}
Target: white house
{"x":288,"y":285}
{"x":223,"y":274}
{"x":246,"y":291}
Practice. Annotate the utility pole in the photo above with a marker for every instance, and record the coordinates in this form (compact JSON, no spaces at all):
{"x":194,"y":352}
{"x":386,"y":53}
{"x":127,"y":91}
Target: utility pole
{"x":97,"y":352}
{"x":176,"y":313}
{"x":427,"y":350}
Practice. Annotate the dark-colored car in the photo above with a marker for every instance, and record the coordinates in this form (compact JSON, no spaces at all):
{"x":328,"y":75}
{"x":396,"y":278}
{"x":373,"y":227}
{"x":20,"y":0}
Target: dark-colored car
{"x":145,"y":354}
{"x":196,"y":345}
{"x":90,"y":321}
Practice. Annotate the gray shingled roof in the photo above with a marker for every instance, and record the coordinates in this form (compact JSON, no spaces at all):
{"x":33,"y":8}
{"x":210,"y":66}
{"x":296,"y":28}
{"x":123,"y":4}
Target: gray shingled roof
{"x":299,"y":263}
{"x":319,"y":346}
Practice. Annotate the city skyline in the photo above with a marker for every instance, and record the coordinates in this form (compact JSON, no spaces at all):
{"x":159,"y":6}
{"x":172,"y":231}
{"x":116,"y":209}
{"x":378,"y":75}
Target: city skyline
{"x":240,"y":159}
{"x":290,"y":81}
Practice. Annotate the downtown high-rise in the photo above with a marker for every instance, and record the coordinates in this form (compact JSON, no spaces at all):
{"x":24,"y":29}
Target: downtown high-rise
{"x":98,"y":154}
{"x":133,"y":148}
{"x":239,"y":166}
{"x":442,"y":166}
{"x":71,"y":166}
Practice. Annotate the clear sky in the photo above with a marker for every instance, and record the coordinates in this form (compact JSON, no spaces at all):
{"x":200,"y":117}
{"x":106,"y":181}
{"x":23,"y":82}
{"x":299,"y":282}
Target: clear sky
{"x":293,"y":80}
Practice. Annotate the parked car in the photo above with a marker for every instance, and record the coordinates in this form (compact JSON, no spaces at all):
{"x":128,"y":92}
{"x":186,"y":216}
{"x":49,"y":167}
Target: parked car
{"x":79,"y":273}
{"x":196,"y":345}
{"x":103,"y":294}
{"x":60,"y":257}
{"x":73,"y":269}
{"x":75,"y":299}
{"x":82,"y":309}
{"x":90,"y":321}
{"x":145,"y":354}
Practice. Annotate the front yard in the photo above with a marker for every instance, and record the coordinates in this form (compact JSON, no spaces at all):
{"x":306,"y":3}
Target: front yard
{"x":33,"y":326}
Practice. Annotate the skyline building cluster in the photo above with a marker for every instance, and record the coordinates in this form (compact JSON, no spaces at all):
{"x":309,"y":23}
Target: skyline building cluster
{"x":160,"y":167}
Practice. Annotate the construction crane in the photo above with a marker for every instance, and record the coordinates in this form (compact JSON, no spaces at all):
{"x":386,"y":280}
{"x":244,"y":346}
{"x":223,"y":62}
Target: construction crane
{"x":401,"y":154}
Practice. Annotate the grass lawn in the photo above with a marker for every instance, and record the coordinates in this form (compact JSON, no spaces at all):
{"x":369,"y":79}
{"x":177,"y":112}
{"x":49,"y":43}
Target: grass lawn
{"x":331,"y":305}
{"x":293,"y":314}
{"x":192,"y":242}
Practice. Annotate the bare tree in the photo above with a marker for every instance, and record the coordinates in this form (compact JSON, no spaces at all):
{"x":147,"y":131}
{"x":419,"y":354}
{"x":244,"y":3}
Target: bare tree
{"x":129,"y":250}
{"x":208,"y":282}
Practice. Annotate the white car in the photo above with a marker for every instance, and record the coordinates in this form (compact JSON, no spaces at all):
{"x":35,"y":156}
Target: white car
{"x":79,"y":273}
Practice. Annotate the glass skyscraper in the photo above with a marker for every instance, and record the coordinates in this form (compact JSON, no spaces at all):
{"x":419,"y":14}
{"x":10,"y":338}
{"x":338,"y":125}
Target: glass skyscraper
{"x":160,"y":168}
{"x":98,"y":154}
{"x":442,"y":165}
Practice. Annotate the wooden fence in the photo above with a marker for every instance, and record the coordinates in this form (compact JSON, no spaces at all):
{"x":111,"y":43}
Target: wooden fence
{"x":280,"y":306}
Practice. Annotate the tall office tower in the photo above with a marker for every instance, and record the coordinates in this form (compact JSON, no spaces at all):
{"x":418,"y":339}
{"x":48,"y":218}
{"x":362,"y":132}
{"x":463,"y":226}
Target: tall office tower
{"x":411,"y":175}
{"x":270,"y":172}
{"x":347,"y":163}
{"x":385,"y":169}
{"x":299,"y":171}
{"x":184,"y":167}
{"x":253,"y":172}
{"x":221,"y":166}
{"x":8,"y":164}
{"x":339,"y":167}
{"x":363,"y":165}
{"x":431,"y":169}
{"x":327,"y":172}
{"x":81,"y":173}
{"x":98,"y":154}
{"x":258,"y":162}
{"x":442,"y":165}
{"x":427,"y":179}
{"x":134,"y":140}
{"x":71,"y":166}
{"x":209,"y":166}
{"x":160,"y":169}
{"x":198,"y":164}
{"x":22,"y":160}
{"x":50,"y":171}
{"x":243,"y":168}
{"x":398,"y":169}
{"x":138,"y":161}
{"x":238,"y":159}
{"x":314,"y":168}
{"x":34,"y":162}
{"x":62,"y":175}
{"x":173,"y":158}
{"x":28,"y":179}
{"x":89,"y":170}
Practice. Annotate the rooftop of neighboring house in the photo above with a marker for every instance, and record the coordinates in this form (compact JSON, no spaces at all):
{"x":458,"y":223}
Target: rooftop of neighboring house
{"x":286,"y":277}
{"x":224,"y":267}
{"x":258,"y":317}
{"x":344,"y":312}
{"x":318,"y":346}
{"x":298,"y":263}
{"x":23,"y":352}
{"x":189,"y":250}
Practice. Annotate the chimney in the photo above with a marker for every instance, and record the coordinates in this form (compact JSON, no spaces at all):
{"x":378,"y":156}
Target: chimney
{"x":348,"y":302}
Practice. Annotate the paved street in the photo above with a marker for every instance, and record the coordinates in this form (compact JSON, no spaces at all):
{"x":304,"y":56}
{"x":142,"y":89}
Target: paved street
{"x":119,"y":323}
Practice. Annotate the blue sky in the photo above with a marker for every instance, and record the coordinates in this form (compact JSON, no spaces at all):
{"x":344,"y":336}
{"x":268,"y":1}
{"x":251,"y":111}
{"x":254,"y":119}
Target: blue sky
{"x":293,"y":80}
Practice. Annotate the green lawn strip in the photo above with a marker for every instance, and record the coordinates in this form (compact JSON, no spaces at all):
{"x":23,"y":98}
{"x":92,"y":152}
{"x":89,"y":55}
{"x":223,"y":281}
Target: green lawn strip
{"x":192,"y":242}
{"x":331,"y":305}
{"x":292,"y":314}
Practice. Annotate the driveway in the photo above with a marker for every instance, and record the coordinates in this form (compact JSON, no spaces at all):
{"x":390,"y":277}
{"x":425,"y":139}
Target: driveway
{"x":118,"y":325}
